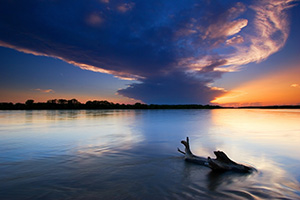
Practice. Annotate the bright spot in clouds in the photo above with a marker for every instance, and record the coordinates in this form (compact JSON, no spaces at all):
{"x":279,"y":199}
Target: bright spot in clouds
{"x":295,"y":85}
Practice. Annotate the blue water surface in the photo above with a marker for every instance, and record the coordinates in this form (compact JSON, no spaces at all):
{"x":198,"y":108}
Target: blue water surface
{"x":132,"y":154}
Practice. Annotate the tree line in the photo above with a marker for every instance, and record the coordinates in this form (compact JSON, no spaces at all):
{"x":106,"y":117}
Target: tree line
{"x":30,"y":104}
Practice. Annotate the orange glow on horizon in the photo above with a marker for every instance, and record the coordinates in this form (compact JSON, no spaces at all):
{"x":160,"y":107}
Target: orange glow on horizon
{"x":280,"y":88}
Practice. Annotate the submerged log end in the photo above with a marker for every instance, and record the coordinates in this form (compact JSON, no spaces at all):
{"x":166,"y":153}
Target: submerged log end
{"x":223,"y":163}
{"x":222,"y":157}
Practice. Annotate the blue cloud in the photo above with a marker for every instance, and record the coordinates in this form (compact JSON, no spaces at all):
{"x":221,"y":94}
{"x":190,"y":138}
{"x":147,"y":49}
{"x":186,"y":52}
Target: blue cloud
{"x":174,"y":50}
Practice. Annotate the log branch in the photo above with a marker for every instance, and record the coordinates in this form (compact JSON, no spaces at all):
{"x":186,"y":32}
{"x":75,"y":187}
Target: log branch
{"x":180,"y":151}
{"x":221,"y":163}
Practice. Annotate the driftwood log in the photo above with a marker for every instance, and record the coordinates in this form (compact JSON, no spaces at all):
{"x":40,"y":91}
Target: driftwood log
{"x":221,"y":163}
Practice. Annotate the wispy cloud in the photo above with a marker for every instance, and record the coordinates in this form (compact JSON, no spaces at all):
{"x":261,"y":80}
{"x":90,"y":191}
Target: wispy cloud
{"x":162,"y":45}
{"x":235,"y":40}
{"x":94,"y":19}
{"x":295,"y":85}
{"x":224,"y":30}
{"x":271,"y":29}
{"x":45,"y":90}
{"x":104,"y":1}
{"x":125,"y":7}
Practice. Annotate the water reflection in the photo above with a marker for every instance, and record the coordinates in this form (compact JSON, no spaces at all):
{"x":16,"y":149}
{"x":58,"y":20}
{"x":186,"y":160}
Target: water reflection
{"x":266,"y":127}
{"x":218,"y":180}
{"x":114,"y":154}
{"x":275,"y":133}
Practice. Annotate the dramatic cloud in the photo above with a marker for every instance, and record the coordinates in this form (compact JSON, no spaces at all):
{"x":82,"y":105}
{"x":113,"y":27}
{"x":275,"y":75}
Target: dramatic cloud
{"x":181,"y":88}
{"x":271,"y":31}
{"x":174,"y":52}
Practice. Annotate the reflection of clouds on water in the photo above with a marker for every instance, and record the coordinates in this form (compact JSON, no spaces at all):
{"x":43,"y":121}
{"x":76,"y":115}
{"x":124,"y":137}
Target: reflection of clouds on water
{"x":270,"y":133}
{"x":112,"y":132}
{"x":111,"y":143}
{"x":131,"y":154}
{"x":270,"y":182}
{"x":274,"y":177}
{"x":216,"y":180}
{"x":58,"y":132}
{"x":265,"y":139}
{"x":270,"y":130}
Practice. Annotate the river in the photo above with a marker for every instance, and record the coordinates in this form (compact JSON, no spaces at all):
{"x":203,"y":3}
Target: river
{"x":132,"y":154}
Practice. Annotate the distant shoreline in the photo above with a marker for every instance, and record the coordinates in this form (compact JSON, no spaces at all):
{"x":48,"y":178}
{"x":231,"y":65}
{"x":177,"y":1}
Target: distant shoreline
{"x":73,"y":104}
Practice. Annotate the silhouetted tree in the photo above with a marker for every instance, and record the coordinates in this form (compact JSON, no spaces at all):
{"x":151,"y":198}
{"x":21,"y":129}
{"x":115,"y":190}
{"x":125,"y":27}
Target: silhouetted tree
{"x":6,"y":106}
{"x":52,"y":101}
{"x":29,"y":102}
{"x":140,"y":106}
{"x":62,"y":101}
{"x":73,"y":102}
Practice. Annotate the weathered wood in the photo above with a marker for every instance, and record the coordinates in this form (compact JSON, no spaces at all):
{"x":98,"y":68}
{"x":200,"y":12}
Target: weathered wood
{"x":220,"y":163}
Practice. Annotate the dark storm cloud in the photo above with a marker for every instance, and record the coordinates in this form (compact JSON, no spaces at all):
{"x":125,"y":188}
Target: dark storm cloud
{"x":92,"y":33}
{"x":174,"y":88}
{"x":171,"y":48}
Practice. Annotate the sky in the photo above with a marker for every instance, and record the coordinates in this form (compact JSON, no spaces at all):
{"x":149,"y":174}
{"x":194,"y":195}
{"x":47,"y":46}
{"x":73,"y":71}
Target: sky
{"x":230,"y":53}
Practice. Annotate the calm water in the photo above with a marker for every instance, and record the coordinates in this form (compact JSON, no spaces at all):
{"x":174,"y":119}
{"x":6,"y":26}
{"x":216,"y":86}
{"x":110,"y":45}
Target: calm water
{"x":132,"y":154}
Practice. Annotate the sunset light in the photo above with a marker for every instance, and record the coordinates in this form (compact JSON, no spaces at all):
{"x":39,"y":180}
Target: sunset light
{"x":280,"y":88}
{"x":169,"y":54}
{"x":149,"y":99}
